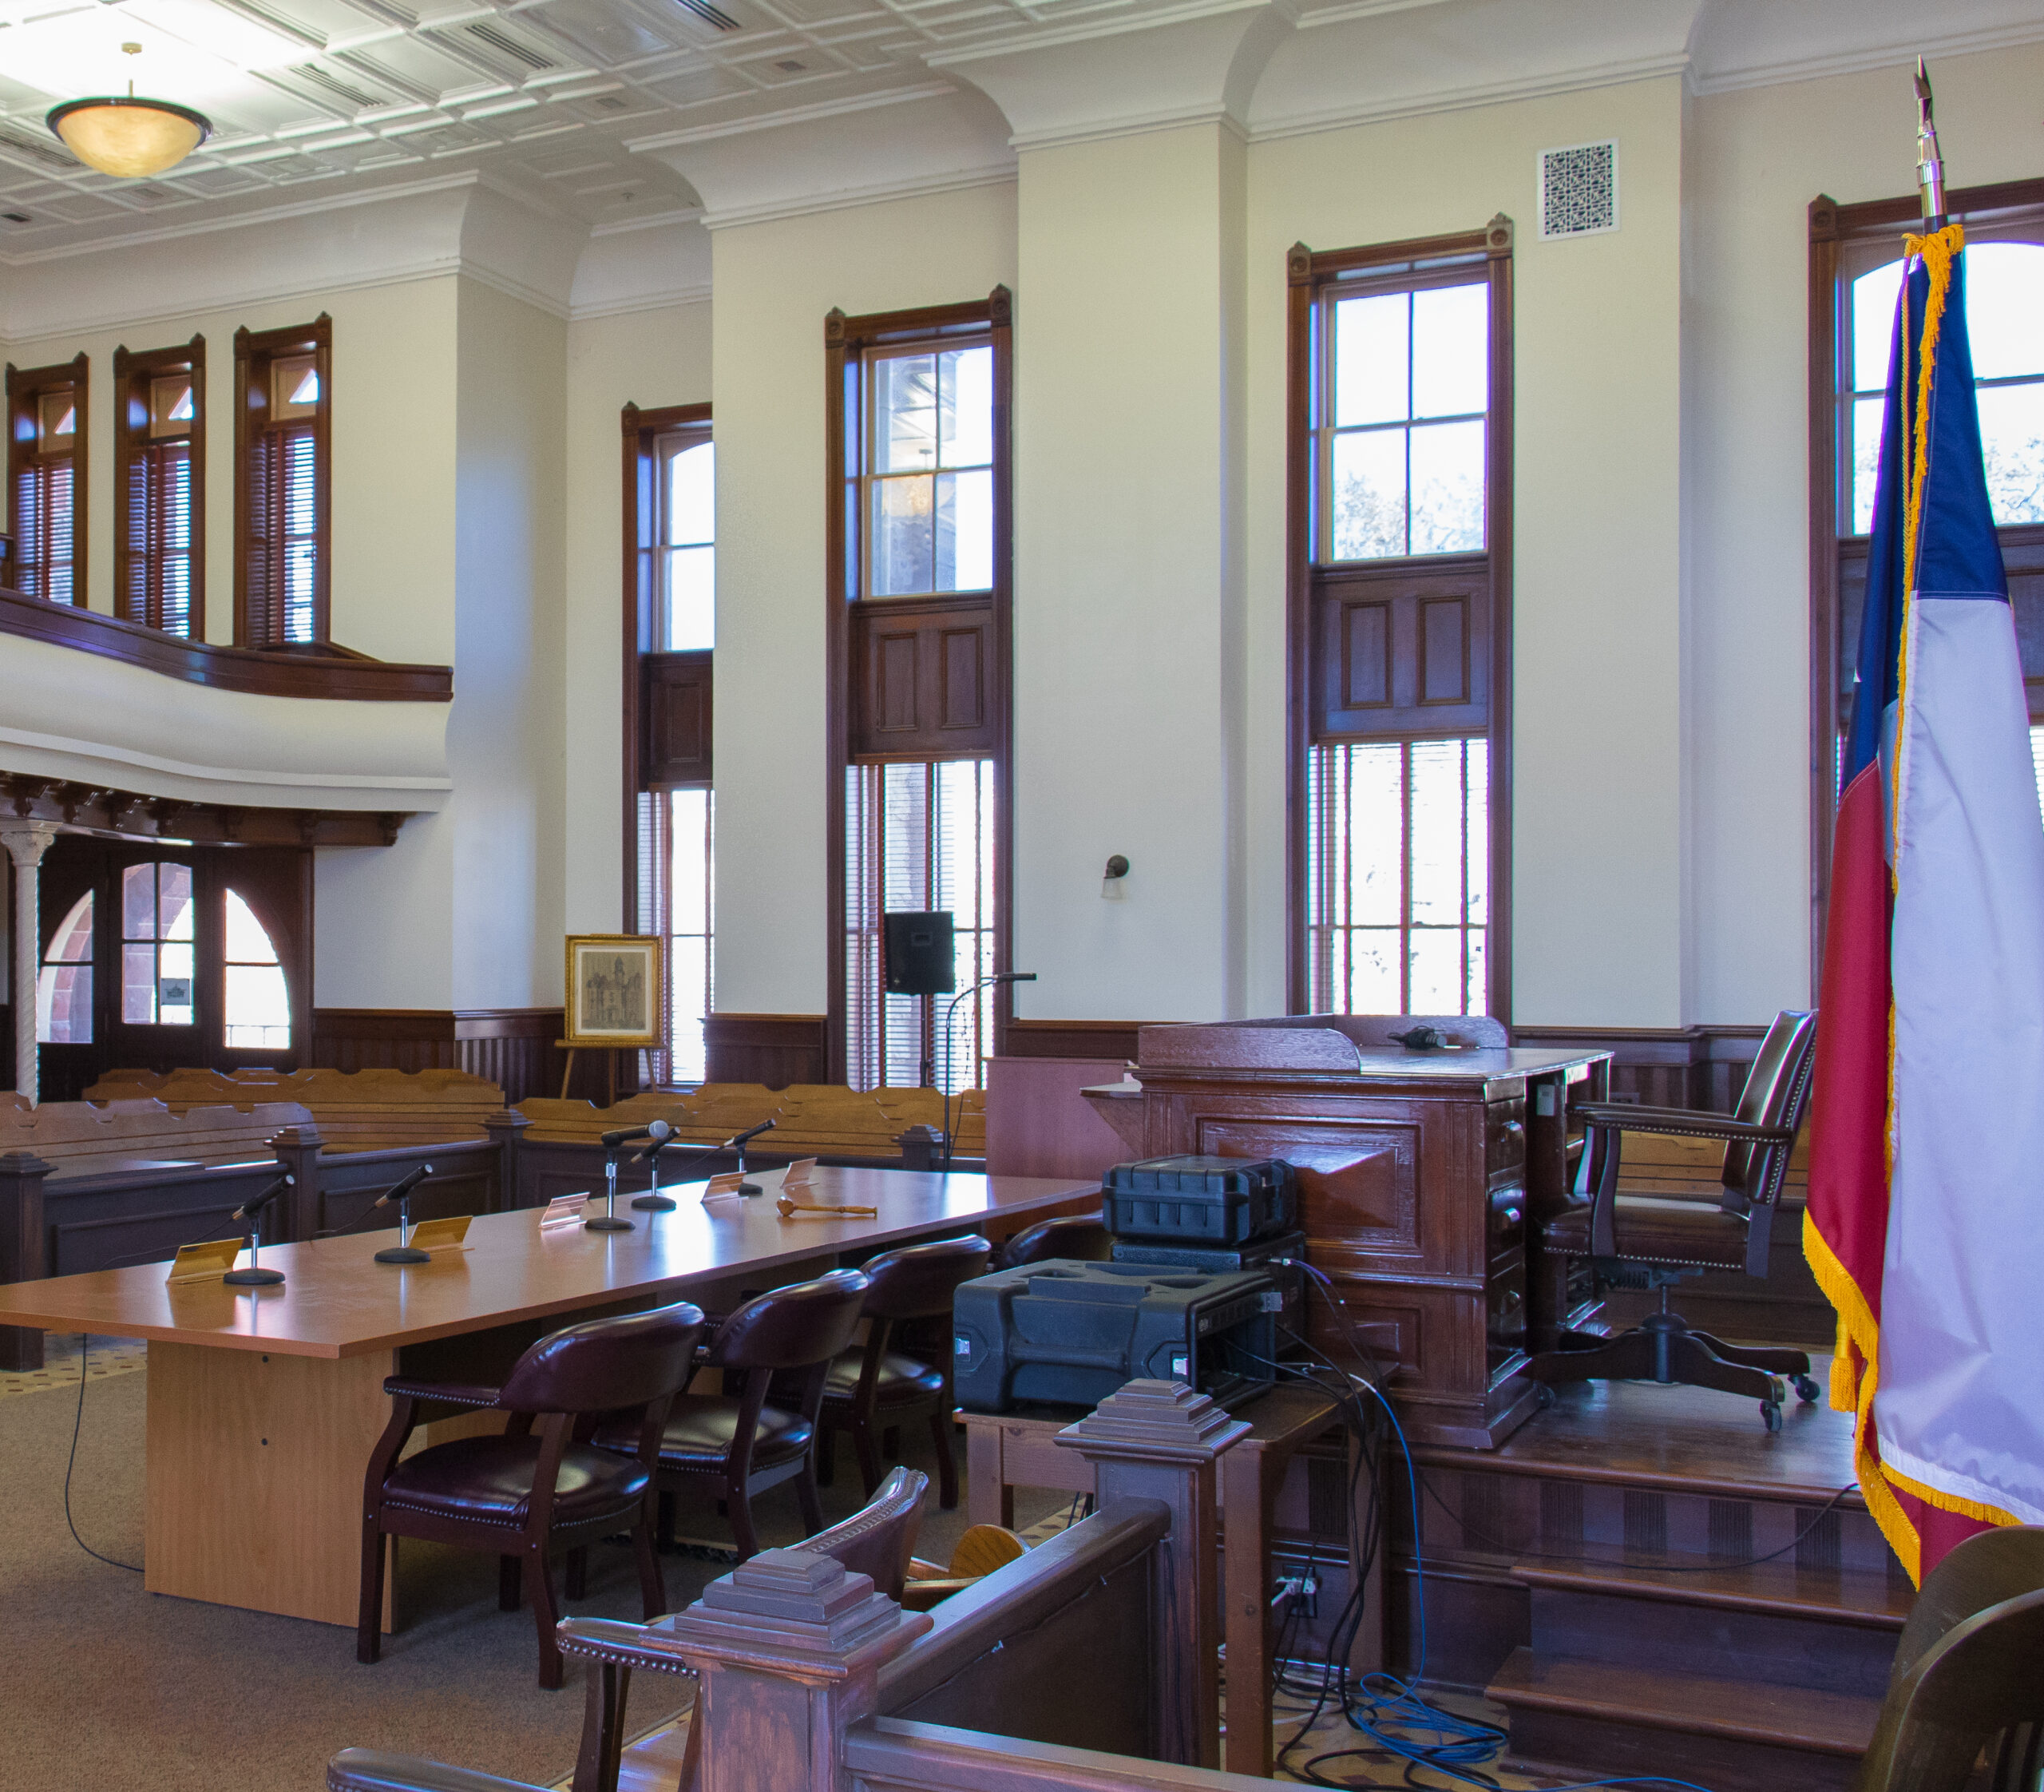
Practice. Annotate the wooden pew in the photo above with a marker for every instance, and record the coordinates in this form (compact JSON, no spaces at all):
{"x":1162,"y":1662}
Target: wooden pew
{"x":86,"y":1186}
{"x":356,"y":1111}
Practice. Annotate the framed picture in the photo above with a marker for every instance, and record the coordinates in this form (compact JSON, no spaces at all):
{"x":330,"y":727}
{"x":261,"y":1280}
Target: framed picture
{"x":613,"y":989}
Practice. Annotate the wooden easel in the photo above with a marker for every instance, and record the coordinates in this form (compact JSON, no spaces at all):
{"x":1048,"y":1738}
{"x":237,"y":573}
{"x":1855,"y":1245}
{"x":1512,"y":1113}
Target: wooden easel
{"x":610,"y":1056}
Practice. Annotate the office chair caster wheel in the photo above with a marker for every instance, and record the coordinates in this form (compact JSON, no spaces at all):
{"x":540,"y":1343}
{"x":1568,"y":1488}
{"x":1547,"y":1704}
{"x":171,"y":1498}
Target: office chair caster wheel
{"x":1544,"y":1396}
{"x":1770,"y":1411}
{"x":1806,"y":1390}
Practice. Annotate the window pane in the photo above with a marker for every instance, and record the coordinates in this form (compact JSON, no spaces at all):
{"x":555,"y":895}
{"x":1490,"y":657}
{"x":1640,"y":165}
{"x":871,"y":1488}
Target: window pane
{"x":1866,"y":461}
{"x":138,"y":902}
{"x":1370,"y":495}
{"x":63,"y":1005}
{"x":2012,"y":440}
{"x":2004,"y":298}
{"x":966,"y":418}
{"x":692,"y":599}
{"x":58,"y":415}
{"x":1373,"y":971}
{"x":248,"y":943}
{"x":138,"y":985}
{"x":965,"y":531}
{"x":1436,"y":971}
{"x":689,"y":980}
{"x":174,"y":985}
{"x":904,"y":536}
{"x":691,"y":496}
{"x":1376,"y":835}
{"x":174,"y":902}
{"x":73,"y":941}
{"x":905,"y":413}
{"x":1437,"y":813}
{"x":1370,"y":359}
{"x":691,"y":863}
{"x":1874,"y":297}
{"x":1451,"y":352}
{"x":1476,"y":997}
{"x":1476,"y":836}
{"x":258,"y":1008}
{"x":1448,"y":489}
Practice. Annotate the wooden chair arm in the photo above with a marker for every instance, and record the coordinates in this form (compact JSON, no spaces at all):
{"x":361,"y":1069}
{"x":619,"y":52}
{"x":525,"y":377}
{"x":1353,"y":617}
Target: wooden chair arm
{"x":625,"y":1645}
{"x":1681,"y":1122}
{"x":368,"y":1769}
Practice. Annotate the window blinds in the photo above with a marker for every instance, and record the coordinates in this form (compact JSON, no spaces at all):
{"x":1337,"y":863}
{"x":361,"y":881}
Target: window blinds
{"x":157,"y":570}
{"x":43,"y":528}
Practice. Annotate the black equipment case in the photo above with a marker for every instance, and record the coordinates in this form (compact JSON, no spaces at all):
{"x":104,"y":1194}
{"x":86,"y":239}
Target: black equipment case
{"x":1073,"y":1333}
{"x":1199,"y":1200}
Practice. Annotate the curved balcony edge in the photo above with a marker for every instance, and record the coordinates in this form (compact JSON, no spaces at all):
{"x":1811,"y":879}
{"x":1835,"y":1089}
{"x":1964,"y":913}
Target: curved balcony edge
{"x":335,"y":674}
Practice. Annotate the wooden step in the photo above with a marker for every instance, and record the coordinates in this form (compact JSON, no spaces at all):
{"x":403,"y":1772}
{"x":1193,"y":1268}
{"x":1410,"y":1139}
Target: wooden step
{"x":1597,"y":1717}
{"x":1832,"y":1632}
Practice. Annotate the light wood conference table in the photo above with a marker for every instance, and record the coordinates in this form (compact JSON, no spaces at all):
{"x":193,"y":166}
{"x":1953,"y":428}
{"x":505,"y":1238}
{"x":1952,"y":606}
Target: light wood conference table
{"x":264,"y":1403}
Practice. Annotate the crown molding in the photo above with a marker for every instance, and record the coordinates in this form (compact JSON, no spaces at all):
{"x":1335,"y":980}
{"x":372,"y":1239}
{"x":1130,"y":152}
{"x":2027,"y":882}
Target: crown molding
{"x":510,"y":287}
{"x":1468,"y":99}
{"x":794,"y":115}
{"x":653,"y":220}
{"x":1864,"y":61}
{"x":698,"y":294}
{"x":93,"y":759}
{"x":1134,"y":124}
{"x":1359,"y":9}
{"x":1001,"y":174}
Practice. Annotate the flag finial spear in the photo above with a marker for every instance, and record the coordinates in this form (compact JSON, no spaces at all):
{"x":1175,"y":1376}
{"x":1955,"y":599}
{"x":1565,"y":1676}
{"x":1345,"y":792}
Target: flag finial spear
{"x":1930,"y":165}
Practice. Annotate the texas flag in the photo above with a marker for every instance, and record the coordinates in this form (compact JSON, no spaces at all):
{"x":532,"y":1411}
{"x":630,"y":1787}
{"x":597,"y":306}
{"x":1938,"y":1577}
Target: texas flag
{"x":1925,"y":1219}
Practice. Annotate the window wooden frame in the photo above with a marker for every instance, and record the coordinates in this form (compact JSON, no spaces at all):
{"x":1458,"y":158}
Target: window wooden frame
{"x":254,"y":352}
{"x":850,"y":727}
{"x":1310,"y":586}
{"x":132,"y":373}
{"x":1836,"y":232}
{"x":25,"y":387}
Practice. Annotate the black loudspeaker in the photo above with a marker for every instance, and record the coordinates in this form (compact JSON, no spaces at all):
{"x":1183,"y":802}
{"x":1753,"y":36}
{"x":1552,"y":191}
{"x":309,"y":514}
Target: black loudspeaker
{"x":919,"y":960}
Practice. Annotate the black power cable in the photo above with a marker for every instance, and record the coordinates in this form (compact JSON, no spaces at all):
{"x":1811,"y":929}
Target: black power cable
{"x":84,"y":1363}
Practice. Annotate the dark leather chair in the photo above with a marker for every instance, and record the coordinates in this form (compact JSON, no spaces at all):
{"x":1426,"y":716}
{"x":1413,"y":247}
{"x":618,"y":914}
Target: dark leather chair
{"x":875,"y":1388}
{"x":1077,"y":1236}
{"x":520,"y":1497}
{"x":1641,"y":1241}
{"x":735,"y":1446}
{"x":1968,"y":1674}
{"x":877,"y":1541}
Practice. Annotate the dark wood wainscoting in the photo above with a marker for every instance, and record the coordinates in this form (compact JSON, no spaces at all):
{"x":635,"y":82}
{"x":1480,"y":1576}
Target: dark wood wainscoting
{"x":1069,"y":1039}
{"x":772,"y":1049}
{"x":1663,"y":1067}
{"x":513,"y":1048}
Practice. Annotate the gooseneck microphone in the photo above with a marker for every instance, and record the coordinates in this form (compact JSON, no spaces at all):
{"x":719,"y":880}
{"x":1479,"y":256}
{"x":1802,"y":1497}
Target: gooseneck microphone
{"x":403,"y":1251}
{"x":255,"y":1276}
{"x":624,"y":1135}
{"x":739,"y":1142}
{"x":659,"y":1133}
{"x":950,"y":1130}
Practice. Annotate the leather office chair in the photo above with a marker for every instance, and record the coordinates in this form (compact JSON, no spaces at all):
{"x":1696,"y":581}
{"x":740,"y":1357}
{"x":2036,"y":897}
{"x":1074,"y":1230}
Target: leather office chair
{"x":1968,"y":1674}
{"x":520,"y":1497}
{"x":1647,"y":1242}
{"x":1075,"y":1236}
{"x":874,"y":1389}
{"x":734,"y":1447}
{"x":877,"y":1541}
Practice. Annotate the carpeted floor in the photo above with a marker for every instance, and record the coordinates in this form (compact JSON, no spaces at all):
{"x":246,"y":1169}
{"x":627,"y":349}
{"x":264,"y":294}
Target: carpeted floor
{"x":107,"y":1688}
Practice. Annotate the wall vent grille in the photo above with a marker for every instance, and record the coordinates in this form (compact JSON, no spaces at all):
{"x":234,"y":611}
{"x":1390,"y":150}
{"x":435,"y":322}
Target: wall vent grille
{"x":505,"y":45}
{"x":711,"y":14}
{"x":1579,"y":190}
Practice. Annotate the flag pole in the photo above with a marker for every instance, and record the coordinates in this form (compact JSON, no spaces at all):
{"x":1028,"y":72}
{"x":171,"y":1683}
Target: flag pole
{"x":1930,"y":165}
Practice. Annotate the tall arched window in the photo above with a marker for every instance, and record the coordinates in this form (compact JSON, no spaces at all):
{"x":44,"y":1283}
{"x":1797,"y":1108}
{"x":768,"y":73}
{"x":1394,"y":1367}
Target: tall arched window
{"x":64,"y":991}
{"x":158,"y":966}
{"x":258,"y":1002}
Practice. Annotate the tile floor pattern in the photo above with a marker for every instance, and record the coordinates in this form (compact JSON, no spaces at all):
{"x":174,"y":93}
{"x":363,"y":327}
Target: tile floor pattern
{"x":108,"y":1356}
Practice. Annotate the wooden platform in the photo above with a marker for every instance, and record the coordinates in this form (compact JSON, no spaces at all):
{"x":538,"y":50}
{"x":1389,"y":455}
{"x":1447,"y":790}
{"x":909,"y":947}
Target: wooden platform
{"x":1601,"y":1578}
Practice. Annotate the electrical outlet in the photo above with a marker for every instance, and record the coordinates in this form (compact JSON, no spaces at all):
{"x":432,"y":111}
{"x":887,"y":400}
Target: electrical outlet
{"x":1303,"y":1591}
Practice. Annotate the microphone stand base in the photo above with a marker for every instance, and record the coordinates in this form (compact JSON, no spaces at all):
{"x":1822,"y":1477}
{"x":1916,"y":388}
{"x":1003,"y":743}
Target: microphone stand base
{"x":253,"y":1278}
{"x":603,"y":1225}
{"x":402,"y":1254}
{"x":654,"y":1203}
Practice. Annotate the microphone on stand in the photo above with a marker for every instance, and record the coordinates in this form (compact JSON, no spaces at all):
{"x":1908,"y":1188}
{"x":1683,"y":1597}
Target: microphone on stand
{"x":660,"y":1133}
{"x":739,"y":1142}
{"x":625,"y":1134}
{"x":401,"y":1192}
{"x":255,"y":1276}
{"x":998,"y":977}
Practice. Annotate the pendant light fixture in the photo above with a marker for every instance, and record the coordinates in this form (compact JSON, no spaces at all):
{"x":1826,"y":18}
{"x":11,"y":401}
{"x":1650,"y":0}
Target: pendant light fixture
{"x":129,"y":138}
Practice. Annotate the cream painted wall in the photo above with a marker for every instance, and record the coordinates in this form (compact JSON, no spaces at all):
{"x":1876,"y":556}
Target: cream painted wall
{"x":1598,"y":916}
{"x":773,"y":283}
{"x":1127,"y":596}
{"x":505,"y":739}
{"x":1756,"y":158}
{"x":649,"y":359}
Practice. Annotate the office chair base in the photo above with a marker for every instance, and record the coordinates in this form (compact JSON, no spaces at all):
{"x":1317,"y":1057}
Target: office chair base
{"x":1662,"y":1348}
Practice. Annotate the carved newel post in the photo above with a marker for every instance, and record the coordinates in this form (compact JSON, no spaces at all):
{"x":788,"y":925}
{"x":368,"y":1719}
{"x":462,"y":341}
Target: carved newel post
{"x":788,"y":1647}
{"x":26,"y":841}
{"x":1157,"y":1441}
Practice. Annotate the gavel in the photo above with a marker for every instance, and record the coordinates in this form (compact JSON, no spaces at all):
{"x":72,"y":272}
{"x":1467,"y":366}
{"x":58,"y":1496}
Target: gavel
{"x":789,"y":1206}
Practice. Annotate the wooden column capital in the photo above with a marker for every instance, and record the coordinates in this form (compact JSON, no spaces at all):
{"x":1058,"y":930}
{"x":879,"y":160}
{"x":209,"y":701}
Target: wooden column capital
{"x":788,"y":1647}
{"x":1162,"y":1422}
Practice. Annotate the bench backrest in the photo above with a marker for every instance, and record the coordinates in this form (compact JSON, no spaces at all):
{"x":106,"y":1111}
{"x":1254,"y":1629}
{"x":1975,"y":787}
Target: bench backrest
{"x":361,"y":1110}
{"x":810,"y":1120}
{"x":82,"y":1138}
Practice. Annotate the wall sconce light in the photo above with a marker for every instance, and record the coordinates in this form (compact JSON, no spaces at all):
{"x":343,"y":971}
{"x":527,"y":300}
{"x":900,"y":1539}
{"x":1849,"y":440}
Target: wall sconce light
{"x":1111,"y":885}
